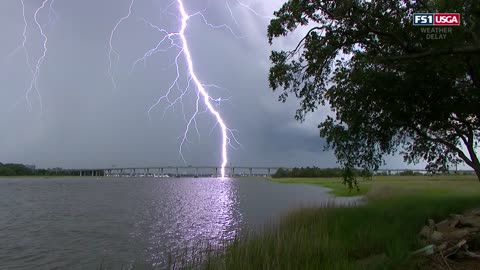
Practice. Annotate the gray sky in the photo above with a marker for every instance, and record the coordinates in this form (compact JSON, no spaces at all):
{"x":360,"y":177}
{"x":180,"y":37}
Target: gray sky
{"x":86,"y":122}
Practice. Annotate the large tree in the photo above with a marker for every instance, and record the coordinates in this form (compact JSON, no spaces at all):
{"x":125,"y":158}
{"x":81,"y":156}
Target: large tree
{"x":391,"y":87}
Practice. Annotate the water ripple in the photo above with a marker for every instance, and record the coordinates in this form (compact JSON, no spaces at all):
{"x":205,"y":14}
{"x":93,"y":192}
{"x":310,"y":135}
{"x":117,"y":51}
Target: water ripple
{"x":76,"y":223}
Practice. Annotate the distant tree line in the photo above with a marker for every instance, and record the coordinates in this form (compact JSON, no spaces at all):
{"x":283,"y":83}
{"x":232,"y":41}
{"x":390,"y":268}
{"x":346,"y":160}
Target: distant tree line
{"x":319,"y":172}
{"x":11,"y":169}
{"x":315,"y":172}
{"x":414,"y":173}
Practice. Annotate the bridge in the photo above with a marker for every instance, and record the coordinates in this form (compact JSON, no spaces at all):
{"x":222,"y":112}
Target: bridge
{"x":196,"y":171}
{"x":204,"y":171}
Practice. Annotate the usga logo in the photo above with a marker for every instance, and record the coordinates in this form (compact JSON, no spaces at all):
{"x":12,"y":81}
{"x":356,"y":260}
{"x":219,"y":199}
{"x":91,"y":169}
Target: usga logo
{"x":436,"y":19}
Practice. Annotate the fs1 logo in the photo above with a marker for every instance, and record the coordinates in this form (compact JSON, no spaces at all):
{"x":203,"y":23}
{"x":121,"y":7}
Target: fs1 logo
{"x":436,"y":19}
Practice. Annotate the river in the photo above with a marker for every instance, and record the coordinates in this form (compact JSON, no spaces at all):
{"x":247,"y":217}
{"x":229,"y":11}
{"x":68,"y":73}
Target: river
{"x":81,"y":223}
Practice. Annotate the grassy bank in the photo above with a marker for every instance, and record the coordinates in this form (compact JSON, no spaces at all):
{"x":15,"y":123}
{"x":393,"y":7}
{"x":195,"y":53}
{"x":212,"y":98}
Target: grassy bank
{"x":429,"y":184}
{"x":335,"y":184}
{"x":378,"y":235}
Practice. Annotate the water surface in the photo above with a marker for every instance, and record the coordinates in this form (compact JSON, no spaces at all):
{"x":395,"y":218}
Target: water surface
{"x":76,"y":223}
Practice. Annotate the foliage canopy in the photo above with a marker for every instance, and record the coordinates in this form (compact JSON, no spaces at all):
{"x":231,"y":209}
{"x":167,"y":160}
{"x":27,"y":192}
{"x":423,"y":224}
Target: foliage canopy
{"x":391,"y":87}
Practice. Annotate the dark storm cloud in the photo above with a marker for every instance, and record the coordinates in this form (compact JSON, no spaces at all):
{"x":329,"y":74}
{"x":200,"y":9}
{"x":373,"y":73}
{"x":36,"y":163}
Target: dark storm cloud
{"x":87,"y":123}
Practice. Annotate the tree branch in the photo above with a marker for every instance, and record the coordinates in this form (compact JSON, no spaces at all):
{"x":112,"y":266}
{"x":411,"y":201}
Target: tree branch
{"x":471,"y":150}
{"x":461,"y":134}
{"x":305,"y":37}
{"x":450,"y":145}
{"x":401,"y":42}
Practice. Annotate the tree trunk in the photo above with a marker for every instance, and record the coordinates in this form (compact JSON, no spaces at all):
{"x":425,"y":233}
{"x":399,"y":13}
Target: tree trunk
{"x":473,"y":156}
{"x":476,"y":168}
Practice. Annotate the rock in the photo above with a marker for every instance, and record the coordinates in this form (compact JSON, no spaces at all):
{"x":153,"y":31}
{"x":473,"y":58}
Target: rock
{"x":473,"y":212}
{"x":455,"y":216}
{"x":457,"y":234}
{"x":473,"y":230}
{"x":426,"y":232}
{"x":472,"y":221}
{"x":443,"y":226}
{"x":452,"y":236}
{"x":454,"y":222}
{"x":441,"y":247}
{"x":436,"y":236}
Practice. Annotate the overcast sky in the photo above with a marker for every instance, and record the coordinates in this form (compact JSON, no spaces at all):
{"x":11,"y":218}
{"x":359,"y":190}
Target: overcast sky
{"x":84,"y":121}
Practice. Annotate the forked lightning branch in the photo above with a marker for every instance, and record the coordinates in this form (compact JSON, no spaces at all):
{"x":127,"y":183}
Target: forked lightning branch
{"x":177,"y":40}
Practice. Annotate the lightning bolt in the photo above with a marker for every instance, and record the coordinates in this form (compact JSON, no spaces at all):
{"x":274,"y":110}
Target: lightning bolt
{"x":177,"y":41}
{"x":113,"y":55}
{"x":33,"y":83}
{"x":24,"y":43}
{"x":36,"y":66}
{"x":249,"y":8}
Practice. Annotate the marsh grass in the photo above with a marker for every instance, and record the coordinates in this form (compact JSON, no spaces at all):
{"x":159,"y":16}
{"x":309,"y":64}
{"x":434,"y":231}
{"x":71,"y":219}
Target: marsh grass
{"x":380,"y":234}
{"x":423,"y":183}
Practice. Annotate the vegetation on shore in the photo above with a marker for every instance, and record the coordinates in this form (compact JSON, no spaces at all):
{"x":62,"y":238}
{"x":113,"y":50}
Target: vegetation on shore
{"x":380,"y":234}
{"x":11,"y":169}
{"x":334,"y":178}
{"x":417,"y":183}
{"x":314,"y":172}
{"x":334,"y":183}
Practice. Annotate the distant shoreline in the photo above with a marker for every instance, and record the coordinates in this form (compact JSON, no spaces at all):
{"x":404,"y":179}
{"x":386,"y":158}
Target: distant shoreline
{"x":41,"y":176}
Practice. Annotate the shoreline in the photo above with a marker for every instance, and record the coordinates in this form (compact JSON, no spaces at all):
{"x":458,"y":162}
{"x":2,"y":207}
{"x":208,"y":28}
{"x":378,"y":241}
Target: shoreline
{"x":339,"y":237}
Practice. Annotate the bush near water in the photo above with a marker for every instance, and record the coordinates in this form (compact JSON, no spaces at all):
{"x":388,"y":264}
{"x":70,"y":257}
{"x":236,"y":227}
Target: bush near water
{"x":317,"y":172}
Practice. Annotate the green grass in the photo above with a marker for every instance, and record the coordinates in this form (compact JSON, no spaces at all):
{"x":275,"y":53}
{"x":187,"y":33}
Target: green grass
{"x":436,"y":184}
{"x":335,"y":184}
{"x":380,"y":234}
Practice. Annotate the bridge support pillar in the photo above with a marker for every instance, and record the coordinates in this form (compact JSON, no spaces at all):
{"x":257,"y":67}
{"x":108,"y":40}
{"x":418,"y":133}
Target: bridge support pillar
{"x":196,"y":172}
{"x":251,"y":171}
{"x":216,"y":172}
{"x":269,"y":171}
{"x":176,"y":172}
{"x":161,"y":171}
